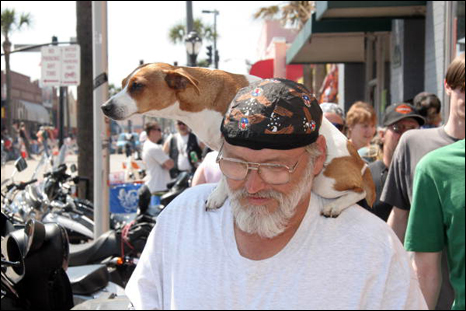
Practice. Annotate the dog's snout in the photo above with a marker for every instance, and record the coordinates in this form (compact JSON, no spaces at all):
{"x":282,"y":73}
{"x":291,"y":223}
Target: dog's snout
{"x":107,"y":107}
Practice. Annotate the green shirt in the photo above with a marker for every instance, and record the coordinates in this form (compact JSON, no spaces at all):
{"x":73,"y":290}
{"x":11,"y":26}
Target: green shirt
{"x":437,"y":216}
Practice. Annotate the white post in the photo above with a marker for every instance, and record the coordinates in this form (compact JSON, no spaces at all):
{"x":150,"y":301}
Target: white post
{"x":101,"y":124}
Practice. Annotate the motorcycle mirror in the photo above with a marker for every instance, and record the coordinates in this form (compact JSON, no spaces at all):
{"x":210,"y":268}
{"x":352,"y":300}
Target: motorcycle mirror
{"x":35,"y":233}
{"x":21,"y":164}
{"x":73,"y":168}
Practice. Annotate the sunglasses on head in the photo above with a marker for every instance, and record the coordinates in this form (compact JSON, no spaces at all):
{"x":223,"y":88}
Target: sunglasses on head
{"x":339,"y":126}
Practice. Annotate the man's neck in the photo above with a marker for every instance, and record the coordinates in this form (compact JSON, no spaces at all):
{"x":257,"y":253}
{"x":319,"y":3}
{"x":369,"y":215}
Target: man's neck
{"x":254,"y":247}
{"x":455,"y":127}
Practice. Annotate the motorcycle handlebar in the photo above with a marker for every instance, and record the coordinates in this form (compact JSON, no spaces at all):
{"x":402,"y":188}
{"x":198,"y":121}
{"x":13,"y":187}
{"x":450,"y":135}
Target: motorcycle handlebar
{"x":21,"y":185}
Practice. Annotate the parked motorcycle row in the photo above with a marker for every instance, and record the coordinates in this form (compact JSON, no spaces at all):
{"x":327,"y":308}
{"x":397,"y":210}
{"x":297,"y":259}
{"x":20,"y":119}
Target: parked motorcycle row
{"x":49,"y":257}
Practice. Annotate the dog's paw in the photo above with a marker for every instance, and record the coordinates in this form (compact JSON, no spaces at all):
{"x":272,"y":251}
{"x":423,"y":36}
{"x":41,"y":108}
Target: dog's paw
{"x":332,"y":210}
{"x":337,"y":206}
{"x":216,"y":198}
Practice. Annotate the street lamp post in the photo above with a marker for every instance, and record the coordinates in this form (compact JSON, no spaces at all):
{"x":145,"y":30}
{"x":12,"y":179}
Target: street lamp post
{"x":193,"y":45}
{"x":215,"y":53}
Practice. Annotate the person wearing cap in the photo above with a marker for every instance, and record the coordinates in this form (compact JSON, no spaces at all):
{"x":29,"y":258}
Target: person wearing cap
{"x":415,"y":144}
{"x":268,"y":247}
{"x":334,"y":114}
{"x":397,"y":119}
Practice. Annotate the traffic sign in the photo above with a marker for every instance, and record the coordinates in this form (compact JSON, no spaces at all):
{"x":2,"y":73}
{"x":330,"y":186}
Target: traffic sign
{"x":51,"y":66}
{"x":70,"y":71}
{"x":60,"y":65}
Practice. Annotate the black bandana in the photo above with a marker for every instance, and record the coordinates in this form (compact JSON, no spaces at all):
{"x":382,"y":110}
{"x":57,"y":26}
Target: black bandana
{"x":272,"y":114}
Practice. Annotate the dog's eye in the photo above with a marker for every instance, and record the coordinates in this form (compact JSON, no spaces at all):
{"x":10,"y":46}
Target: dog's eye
{"x":136,"y":86}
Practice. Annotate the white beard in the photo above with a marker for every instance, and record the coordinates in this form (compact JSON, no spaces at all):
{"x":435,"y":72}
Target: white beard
{"x":258,"y":219}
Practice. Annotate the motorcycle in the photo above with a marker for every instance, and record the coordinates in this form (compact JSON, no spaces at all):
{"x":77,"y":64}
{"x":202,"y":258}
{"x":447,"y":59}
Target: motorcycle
{"x":36,"y":272}
{"x":33,"y":267}
{"x":49,"y":202}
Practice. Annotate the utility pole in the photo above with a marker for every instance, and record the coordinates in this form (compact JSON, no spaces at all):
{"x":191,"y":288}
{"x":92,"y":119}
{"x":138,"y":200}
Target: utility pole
{"x":215,"y":52}
{"x":189,"y":26}
{"x":101,"y":124}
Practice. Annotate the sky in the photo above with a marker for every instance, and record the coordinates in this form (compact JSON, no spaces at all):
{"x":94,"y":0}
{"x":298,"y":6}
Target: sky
{"x":139,"y":31}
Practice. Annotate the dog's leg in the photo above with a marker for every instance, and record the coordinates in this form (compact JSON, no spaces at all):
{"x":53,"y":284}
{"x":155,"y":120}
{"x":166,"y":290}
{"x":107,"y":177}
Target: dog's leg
{"x":337,"y":206}
{"x":217,"y":197}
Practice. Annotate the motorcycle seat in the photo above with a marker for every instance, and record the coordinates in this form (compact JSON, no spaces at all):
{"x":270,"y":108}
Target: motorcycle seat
{"x":87,"y":280}
{"x":107,"y":245}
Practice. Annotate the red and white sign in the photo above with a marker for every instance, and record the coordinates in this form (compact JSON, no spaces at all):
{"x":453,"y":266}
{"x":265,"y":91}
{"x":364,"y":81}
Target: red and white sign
{"x":51,"y":66}
{"x":70,"y":70}
{"x":60,"y":65}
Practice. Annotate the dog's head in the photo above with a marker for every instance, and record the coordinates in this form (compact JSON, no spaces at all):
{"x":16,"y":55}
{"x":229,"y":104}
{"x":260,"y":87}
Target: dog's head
{"x":150,"y":87}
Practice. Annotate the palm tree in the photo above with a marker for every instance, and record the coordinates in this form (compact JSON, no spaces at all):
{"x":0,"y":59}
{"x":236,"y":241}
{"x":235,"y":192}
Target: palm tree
{"x":11,"y":22}
{"x":294,"y":13}
{"x":177,"y":33}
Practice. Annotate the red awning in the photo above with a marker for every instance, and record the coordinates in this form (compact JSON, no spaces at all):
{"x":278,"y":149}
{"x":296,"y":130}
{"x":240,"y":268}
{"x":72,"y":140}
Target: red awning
{"x":264,"y":69}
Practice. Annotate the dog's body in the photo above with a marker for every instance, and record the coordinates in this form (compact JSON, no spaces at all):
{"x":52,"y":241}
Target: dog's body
{"x":200,"y":98}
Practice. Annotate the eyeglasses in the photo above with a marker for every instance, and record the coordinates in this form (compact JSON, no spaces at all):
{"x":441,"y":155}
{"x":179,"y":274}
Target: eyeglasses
{"x":273,"y":174}
{"x":400,"y":129}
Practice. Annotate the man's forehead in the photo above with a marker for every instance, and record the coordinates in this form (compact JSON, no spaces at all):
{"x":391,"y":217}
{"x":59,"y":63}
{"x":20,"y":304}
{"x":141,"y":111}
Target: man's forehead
{"x":261,"y":156}
{"x":408,"y":121}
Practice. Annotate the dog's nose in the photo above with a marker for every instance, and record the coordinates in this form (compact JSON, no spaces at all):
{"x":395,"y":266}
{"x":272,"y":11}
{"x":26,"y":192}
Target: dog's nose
{"x":107,"y":107}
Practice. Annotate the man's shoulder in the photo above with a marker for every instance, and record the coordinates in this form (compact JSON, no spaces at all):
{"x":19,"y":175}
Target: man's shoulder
{"x":150,"y":146}
{"x":363,"y":225}
{"x":414,"y":137}
{"x":444,"y":159}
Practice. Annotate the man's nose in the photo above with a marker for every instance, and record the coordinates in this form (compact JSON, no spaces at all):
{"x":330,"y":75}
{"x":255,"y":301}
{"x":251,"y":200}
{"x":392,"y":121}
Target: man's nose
{"x":254,"y":182}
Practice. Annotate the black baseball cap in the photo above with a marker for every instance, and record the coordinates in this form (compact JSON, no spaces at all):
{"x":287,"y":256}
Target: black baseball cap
{"x":272,"y":114}
{"x":397,"y":112}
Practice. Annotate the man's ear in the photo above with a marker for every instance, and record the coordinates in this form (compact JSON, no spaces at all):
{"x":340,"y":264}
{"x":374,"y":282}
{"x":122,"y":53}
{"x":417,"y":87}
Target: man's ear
{"x":179,"y":80}
{"x":447,"y":87}
{"x":320,"y":160}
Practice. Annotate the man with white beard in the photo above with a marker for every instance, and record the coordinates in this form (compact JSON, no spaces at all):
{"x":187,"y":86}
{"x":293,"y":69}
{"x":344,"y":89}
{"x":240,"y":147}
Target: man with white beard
{"x":268,"y":247}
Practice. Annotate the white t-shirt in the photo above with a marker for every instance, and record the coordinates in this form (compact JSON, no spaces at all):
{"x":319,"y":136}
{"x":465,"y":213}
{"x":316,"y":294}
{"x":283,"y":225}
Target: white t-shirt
{"x":182,"y":145}
{"x":191,"y":261}
{"x":157,"y":177}
{"x":211,"y":169}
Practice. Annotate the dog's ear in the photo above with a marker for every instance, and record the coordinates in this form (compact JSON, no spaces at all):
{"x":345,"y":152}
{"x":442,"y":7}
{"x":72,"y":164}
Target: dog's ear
{"x":180,"y":79}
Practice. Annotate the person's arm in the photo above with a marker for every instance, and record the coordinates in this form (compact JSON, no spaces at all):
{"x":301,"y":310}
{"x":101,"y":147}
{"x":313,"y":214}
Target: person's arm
{"x":428,"y":269}
{"x":166,"y":146}
{"x":199,"y":177}
{"x":398,"y":220}
{"x":168,"y":165}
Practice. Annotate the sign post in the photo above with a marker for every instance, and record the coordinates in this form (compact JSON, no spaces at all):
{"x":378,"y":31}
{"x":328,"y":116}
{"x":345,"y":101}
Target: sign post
{"x":61,"y":68}
{"x":51,"y":66}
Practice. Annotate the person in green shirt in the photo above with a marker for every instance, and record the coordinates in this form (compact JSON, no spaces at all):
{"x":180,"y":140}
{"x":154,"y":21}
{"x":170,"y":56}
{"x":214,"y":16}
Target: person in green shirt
{"x":437,"y":220}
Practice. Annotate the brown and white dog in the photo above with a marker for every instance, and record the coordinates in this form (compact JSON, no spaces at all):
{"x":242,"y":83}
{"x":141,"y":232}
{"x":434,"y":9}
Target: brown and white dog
{"x":200,"y":97}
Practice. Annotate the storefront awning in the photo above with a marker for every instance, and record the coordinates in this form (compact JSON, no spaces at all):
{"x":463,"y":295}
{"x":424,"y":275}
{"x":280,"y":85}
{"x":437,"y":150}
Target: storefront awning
{"x":33,"y":112}
{"x":333,"y":41}
{"x":265,"y":69}
{"x":369,"y":9}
